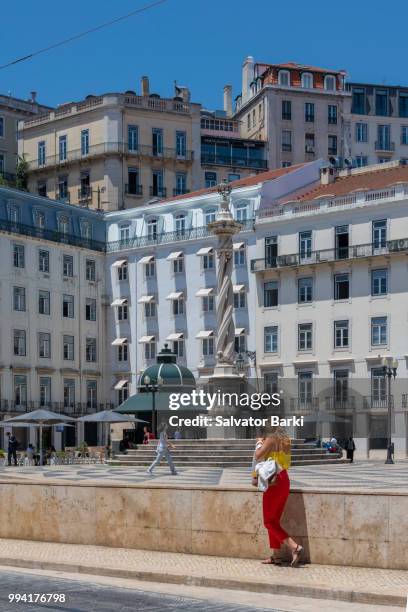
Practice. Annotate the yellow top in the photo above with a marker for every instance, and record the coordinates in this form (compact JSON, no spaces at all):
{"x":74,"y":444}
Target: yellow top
{"x":281,"y":457}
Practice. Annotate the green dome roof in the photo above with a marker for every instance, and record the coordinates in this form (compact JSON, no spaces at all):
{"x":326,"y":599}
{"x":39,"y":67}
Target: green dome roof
{"x":167,"y":372}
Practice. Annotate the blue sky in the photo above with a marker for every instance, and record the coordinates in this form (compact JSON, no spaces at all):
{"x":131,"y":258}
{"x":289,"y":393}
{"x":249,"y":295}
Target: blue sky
{"x":200,"y":43}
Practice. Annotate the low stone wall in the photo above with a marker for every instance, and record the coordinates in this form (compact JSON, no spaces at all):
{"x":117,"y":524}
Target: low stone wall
{"x":367,"y":529}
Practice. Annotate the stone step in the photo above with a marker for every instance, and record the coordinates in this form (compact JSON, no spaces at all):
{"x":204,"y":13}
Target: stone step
{"x":222,"y":464}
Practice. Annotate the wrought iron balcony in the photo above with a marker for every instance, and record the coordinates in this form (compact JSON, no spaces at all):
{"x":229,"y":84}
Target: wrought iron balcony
{"x":165,"y":237}
{"x":377,"y":402}
{"x":158,"y":192}
{"x":177,"y":192}
{"x":304,"y":404}
{"x":234,"y":161}
{"x":328,"y":255}
{"x":384,"y":146}
{"x":70,"y":409}
{"x":131,"y":189}
{"x":63,"y":196}
{"x":85,"y":193}
{"x":345,"y":402}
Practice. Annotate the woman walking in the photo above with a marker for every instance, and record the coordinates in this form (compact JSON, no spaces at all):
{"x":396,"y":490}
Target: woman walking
{"x":163,"y":450}
{"x":276,"y":446}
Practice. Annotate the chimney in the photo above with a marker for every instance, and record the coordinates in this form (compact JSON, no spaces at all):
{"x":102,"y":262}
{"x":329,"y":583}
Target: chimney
{"x":33,"y":98}
{"x":247,"y":77}
{"x":327,"y":175}
{"x":145,"y":86}
{"x":228,"y":100}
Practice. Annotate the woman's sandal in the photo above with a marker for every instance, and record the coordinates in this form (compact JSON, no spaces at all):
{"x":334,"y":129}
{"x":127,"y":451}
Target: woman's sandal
{"x":272,"y":560}
{"x":297,"y":553}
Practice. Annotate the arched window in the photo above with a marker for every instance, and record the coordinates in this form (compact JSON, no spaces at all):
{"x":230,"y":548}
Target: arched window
{"x":284,"y":78}
{"x":63,"y":224}
{"x":307,"y":80}
{"x":209,"y":215}
{"x":86,"y":230}
{"x":152,"y":229}
{"x":330,"y":82}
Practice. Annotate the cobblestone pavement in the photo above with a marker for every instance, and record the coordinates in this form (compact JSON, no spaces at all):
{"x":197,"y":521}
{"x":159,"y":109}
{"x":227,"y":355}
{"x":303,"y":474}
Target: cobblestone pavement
{"x":360,"y":475}
{"x":82,"y":596}
{"x":194,"y":569}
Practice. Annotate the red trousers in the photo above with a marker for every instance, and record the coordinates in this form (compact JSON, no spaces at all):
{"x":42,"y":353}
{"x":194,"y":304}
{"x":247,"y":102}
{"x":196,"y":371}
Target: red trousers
{"x":274,"y":500}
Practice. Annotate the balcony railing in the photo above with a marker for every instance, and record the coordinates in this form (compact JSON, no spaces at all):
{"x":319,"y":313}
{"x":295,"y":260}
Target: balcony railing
{"x":233,"y":161}
{"x":304,"y":404}
{"x":342,"y":403}
{"x":131,"y":189}
{"x":177,"y":192}
{"x":166,"y":237}
{"x":404,"y":402}
{"x":109,"y":148}
{"x":384,"y":145}
{"x":63,"y":196}
{"x":377,"y":402}
{"x":72,"y":409}
{"x":158,"y":192}
{"x":84,"y":193}
{"x":328,"y":255}
{"x":7,"y":176}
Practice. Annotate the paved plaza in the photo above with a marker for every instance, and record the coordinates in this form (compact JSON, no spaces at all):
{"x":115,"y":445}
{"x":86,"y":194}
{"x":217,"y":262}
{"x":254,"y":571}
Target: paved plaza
{"x":362,"y":475}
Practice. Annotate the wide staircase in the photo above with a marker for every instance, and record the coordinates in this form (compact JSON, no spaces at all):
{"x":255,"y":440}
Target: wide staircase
{"x":228,"y":453}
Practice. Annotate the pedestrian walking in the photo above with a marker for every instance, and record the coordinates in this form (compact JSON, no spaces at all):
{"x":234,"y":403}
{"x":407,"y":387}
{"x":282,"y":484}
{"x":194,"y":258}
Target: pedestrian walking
{"x":276,"y":446}
{"x":350,"y":448}
{"x":163,"y":451}
{"x":12,"y":448}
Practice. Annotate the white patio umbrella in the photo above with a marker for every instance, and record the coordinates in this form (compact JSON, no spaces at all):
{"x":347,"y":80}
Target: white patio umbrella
{"x":108,"y":416}
{"x":40,"y":418}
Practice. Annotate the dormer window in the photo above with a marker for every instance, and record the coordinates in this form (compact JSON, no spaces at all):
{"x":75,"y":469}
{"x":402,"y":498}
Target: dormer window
{"x":284,"y":78}
{"x":307,"y":80}
{"x":180,"y":224}
{"x":152,"y":229}
{"x":63,"y":224}
{"x":330,"y":82}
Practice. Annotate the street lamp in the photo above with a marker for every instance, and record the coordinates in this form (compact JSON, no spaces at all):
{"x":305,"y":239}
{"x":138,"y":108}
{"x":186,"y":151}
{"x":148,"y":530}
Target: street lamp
{"x":153,"y":388}
{"x":389,"y":366}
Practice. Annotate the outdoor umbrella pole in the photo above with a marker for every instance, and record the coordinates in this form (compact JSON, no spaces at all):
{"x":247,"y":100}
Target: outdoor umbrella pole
{"x":41,"y":460}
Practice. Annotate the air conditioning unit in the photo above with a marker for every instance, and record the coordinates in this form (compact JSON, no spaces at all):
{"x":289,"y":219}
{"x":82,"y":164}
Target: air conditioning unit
{"x":334,"y":162}
{"x":288,"y":260}
{"x":398,"y":245}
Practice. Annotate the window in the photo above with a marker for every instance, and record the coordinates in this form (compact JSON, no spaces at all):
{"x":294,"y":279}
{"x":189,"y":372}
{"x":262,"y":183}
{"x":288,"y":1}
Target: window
{"x":286,"y":110}
{"x":68,"y":348}
{"x":63,"y":224}
{"x":379,"y":282}
{"x":123,"y":271}
{"x":90,"y":309}
{"x":150,"y":309}
{"x":13,"y":214}
{"x":305,"y":389}
{"x":41,"y":153}
{"x":86,"y":230}
{"x":150,"y":350}
{"x":270,"y":381}
{"x":358,"y":104}
{"x":341,"y":287}
{"x":123,"y":393}
{"x":157,"y":141}
{"x":208,"y":303}
{"x":332,"y":114}
{"x":286,"y":140}
{"x":271,"y":294}
{"x":361,"y":160}
{"x":381,"y":102}
{"x":309,"y":112}
{"x":44,"y":345}
{"x":84,"y":142}
{"x":379,"y":331}
{"x":123,"y":350}
{"x":305,"y":245}
{"x":124,"y":233}
{"x":383,"y":138}
{"x":332,"y":144}
{"x":286,"y":164}
{"x":63,"y":194}
{"x":239,"y":256}
{"x":207,"y":347}
{"x":284,"y":78}
{"x":271,"y":339}
{"x":181,"y":183}
{"x":271,"y":251}
{"x":45,"y":391}
{"x":152,"y":229}
{"x":341,"y":334}
{"x":342,"y":241}
{"x":150,"y":269}
{"x":18,"y":256}
{"x":178,"y":306}
{"x":2,"y":162}
{"x":133,"y":138}
{"x":330,"y":82}
{"x":133,"y":186}
{"x":240,"y":343}
{"x":240,"y":299}
{"x":209,"y":215}
{"x":20,"y":390}
{"x":181,"y":144}
{"x":68,"y":265}
{"x":123,"y":312}
{"x":178,"y":347}
{"x":91,"y":394}
{"x":68,"y":306}
{"x":233,"y":176}
{"x":210,"y":179}
{"x":62,"y":148}
{"x":85,"y":191}
{"x":249,"y":121}
{"x":69,"y":393}
{"x":2,"y":127}
{"x":309,"y":143}
{"x":19,"y":298}
{"x":403,"y":104}
{"x":180,"y":223}
{"x":19,"y":342}
{"x":305,"y":290}
{"x":208,"y":261}
{"x":44,"y":302}
{"x":241,"y":212}
{"x":305,"y":331}
{"x":361,"y":131}
{"x":178,"y":265}
{"x":379,"y":231}
{"x":404,"y":134}
{"x":90,"y":270}
{"x":307,"y":80}
{"x":39,"y":218}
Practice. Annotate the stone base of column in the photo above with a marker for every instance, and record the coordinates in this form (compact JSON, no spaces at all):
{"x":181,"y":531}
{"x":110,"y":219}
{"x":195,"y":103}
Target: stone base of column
{"x":225,"y":380}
